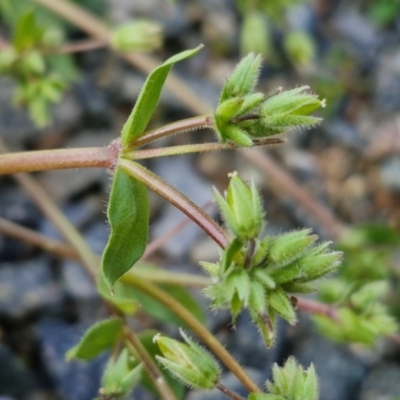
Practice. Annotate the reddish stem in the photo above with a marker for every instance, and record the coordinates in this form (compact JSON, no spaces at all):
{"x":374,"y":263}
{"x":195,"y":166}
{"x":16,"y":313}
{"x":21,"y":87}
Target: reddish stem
{"x":176,"y":198}
{"x":12,"y":163}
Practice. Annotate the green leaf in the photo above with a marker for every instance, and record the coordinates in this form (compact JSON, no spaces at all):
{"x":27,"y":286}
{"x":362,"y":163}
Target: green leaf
{"x":27,"y":33}
{"x":99,"y":337}
{"x":128,"y":215}
{"x":148,"y":98}
{"x":120,"y":299}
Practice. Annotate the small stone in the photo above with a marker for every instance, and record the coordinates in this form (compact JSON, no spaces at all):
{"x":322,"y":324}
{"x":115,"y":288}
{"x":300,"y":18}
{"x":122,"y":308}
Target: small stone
{"x":382,"y":382}
{"x":389,"y":173}
{"x":28,"y":287}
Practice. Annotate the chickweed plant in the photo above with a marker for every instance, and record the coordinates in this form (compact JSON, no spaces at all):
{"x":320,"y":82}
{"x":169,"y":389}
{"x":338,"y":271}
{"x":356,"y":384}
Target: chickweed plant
{"x":257,"y":272}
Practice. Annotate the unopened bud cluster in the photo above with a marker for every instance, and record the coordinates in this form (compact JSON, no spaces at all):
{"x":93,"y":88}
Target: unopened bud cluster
{"x":291,"y":382}
{"x":244,"y":116}
{"x":259,"y":273}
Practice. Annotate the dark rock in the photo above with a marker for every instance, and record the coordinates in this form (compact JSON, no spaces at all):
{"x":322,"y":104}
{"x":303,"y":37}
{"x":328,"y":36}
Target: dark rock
{"x":78,"y":213}
{"x":359,"y":35}
{"x":382,"y":382}
{"x":389,"y":173}
{"x":247,"y":346}
{"x":15,"y":378}
{"x":387,"y":82}
{"x":344,"y":133}
{"x":15,"y":207}
{"x":28,"y":287}
{"x":75,"y":380}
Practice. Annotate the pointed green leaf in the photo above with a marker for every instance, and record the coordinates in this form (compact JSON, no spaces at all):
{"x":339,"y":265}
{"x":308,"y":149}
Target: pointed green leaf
{"x":128,"y":215}
{"x":27,"y":33}
{"x":99,"y":337}
{"x":119,"y":299}
{"x":148,"y":98}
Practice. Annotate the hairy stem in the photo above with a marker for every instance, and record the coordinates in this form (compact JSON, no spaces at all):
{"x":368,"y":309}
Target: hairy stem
{"x":180,"y":311}
{"x":177,"y":199}
{"x":31,"y":161}
{"x":149,"y":364}
{"x":184,"y":125}
{"x":44,"y":202}
{"x":228,"y":392}
{"x":177,"y":150}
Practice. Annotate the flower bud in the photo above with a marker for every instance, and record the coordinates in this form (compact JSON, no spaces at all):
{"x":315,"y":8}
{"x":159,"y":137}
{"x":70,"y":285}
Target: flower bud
{"x":140,"y":35}
{"x":286,"y":110}
{"x":119,"y":378}
{"x":292,"y":382}
{"x":189,"y":362}
{"x":243,"y":79}
{"x":241,"y":208}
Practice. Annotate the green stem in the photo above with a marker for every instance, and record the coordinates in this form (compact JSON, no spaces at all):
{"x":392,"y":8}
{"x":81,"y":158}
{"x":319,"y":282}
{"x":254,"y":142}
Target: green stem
{"x":172,"y":278}
{"x":177,"y":199}
{"x":180,"y":311}
{"x":149,"y":364}
{"x":184,"y":125}
{"x":175,"y":150}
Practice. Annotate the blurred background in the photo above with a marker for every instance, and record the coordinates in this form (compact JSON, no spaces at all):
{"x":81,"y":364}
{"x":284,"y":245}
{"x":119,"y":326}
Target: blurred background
{"x":342,"y":178}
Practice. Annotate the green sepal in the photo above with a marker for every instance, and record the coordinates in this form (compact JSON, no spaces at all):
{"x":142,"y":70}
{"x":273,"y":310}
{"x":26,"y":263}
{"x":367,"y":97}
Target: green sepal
{"x":229,"y":253}
{"x":229,"y":108}
{"x":285,"y":274}
{"x":278,"y":300}
{"x":286,"y":248}
{"x":99,"y":337}
{"x":238,"y":282}
{"x":148,"y":99}
{"x":233,"y":133}
{"x":128,"y":216}
{"x":291,"y":102}
{"x":257,"y":298}
{"x":314,"y":267}
{"x":294,"y":287}
{"x":188,"y":361}
{"x":265,"y":330}
{"x":213,"y":269}
{"x":265,"y":278}
{"x":276,"y":124}
{"x":243,"y":78}
{"x":119,"y":378}
{"x":250,"y":103}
